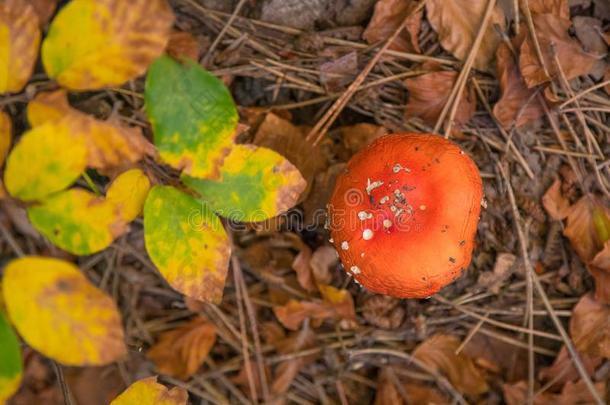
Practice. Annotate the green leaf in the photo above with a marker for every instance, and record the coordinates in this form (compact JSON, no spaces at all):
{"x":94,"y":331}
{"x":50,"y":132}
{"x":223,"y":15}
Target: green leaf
{"x":187,"y":243}
{"x":256,"y":183}
{"x":11,"y":366}
{"x":192,"y":114}
{"x":78,"y":221}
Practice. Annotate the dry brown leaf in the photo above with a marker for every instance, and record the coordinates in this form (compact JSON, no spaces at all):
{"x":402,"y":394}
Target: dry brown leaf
{"x":357,"y":136}
{"x":415,"y":394}
{"x":301,"y":265}
{"x":337,"y":73}
{"x":517,"y":105}
{"x":552,"y":33}
{"x":183,"y":45}
{"x":44,"y":9}
{"x":388,"y":15}
{"x":387,"y":393}
{"x":457,"y":23}
{"x":581,"y":226}
{"x":180,"y":352}
{"x":607,"y":78}
{"x":424,"y":395}
{"x":590,"y":327}
{"x":503,"y":269}
{"x":429,"y":93}
{"x":588,"y":31}
{"x":497,"y":356}
{"x":287,"y":370}
{"x":559,"y":8}
{"x":562,"y":370}
{"x":383,"y":311}
{"x":555,"y":204}
{"x":600,"y":270}
{"x":438,"y":353}
{"x":572,"y":393}
{"x":323,"y":259}
{"x":315,"y":203}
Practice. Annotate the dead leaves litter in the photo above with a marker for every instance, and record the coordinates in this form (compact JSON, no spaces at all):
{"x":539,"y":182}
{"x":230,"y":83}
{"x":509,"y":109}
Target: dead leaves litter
{"x":388,"y":15}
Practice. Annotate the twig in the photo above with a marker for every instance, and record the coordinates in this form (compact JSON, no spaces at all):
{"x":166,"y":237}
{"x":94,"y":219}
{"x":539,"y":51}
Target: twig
{"x":65,"y":390}
{"x":208,"y":54}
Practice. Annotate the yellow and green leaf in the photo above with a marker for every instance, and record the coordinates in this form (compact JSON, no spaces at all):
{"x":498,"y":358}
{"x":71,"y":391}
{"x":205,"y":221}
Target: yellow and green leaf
{"x":19,"y":41}
{"x":187,"y":243}
{"x":48,"y":106}
{"x":59,"y":313}
{"x":255,"y":184}
{"x":6,"y":135}
{"x":77,"y":221}
{"x":128,"y":192}
{"x":92,"y":44}
{"x":11,"y":366}
{"x":149,"y":392}
{"x":47,"y":159}
{"x":192,"y":114}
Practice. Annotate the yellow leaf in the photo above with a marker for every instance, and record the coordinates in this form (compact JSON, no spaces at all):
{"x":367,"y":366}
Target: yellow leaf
{"x":128,"y":193}
{"x":6,"y":135}
{"x":181,"y":351}
{"x":58,"y":312}
{"x":97,"y":43}
{"x":149,"y":392}
{"x":19,"y":40}
{"x":109,"y":144}
{"x":47,"y":158}
{"x":77,"y":221}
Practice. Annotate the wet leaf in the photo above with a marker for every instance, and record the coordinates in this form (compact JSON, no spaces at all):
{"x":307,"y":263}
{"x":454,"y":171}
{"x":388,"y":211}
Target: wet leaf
{"x":149,"y":392}
{"x":438,"y":353}
{"x":109,"y":143}
{"x":180,"y":352}
{"x":95,"y":44}
{"x":517,"y":105}
{"x":128,"y":192}
{"x":457,"y":23}
{"x":388,"y":15}
{"x":61,"y":314}
{"x":11,"y":366}
{"x":6,"y":135}
{"x":255,"y":184}
{"x":19,"y":40}
{"x":77,"y":221}
{"x":429,"y":93}
{"x":552,"y":33}
{"x":47,"y":158}
{"x":192,"y":114}
{"x":187,"y":243}
{"x":555,"y":204}
{"x":590,"y":327}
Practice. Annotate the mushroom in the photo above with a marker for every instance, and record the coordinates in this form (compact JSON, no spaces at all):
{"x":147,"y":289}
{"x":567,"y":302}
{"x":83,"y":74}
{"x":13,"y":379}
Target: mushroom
{"x":422,"y":195}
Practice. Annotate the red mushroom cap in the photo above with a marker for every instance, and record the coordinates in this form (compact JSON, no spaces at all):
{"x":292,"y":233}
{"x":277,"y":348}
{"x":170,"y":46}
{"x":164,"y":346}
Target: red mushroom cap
{"x":404,"y":214}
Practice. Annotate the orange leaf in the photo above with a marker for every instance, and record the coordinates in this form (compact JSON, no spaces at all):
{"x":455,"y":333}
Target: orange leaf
{"x":181,"y":351}
{"x":572,"y":393}
{"x":183,"y":45}
{"x":388,"y":15}
{"x":562,"y":370}
{"x":558,"y":8}
{"x":600,"y":270}
{"x":555,"y":204}
{"x":590,"y":327}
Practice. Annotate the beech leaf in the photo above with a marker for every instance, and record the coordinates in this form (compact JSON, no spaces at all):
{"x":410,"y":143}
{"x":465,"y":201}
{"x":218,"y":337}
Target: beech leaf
{"x":128,"y":192}
{"x":590,"y":327}
{"x":388,"y":15}
{"x":149,"y":392}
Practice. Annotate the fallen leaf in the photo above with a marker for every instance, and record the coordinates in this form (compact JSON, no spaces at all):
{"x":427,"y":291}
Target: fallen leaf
{"x":555,"y":204}
{"x":497,"y":356}
{"x":552,"y":33}
{"x":6,"y":135}
{"x":193,"y":116}
{"x":77,"y":221}
{"x":457,"y":23}
{"x":94,"y":385}
{"x":387,"y":17}
{"x":44,"y":10}
{"x":286,"y":371}
{"x":590,"y":327}
{"x":11,"y":367}
{"x":387,"y":393}
{"x":321,"y":191}
{"x":301,"y":14}
{"x":180,"y":352}
{"x":562,"y":370}
{"x":438,"y":353}
{"x":429,"y":93}
{"x":109,"y":143}
{"x":187,"y":243}
{"x":383,"y":311}
{"x":503,"y":269}
{"x":580,"y":226}
{"x":58,"y":312}
{"x":357,"y":136}
{"x":424,"y":395}
{"x":322,"y":261}
{"x":599,"y":268}
{"x":128,"y":192}
{"x":149,"y":392}
{"x":19,"y":41}
{"x":336,"y":74}
{"x":517,"y":105}
{"x":558,"y":8}
{"x":183,"y":46}
{"x":91,"y":45}
{"x":47,"y":159}
{"x":301,"y":266}
{"x":572,"y":393}
{"x":255,"y":184}
{"x":588,"y":31}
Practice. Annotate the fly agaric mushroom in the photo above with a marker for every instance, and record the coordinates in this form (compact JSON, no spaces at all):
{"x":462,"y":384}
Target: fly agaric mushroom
{"x":404,"y":214}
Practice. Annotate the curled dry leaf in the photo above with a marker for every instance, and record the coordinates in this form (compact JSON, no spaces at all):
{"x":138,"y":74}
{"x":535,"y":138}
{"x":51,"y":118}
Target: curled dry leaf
{"x":457,"y":23}
{"x":18,"y":44}
{"x":388,"y":16}
{"x":312,"y":268}
{"x":553,"y":37}
{"x":581,"y":227}
{"x":572,"y":393}
{"x":517,"y":105}
{"x":109,"y":144}
{"x":113,"y":42}
{"x":600,"y":270}
{"x":438,"y":353}
{"x":44,"y":10}
{"x":503,"y":269}
{"x":590,"y":327}
{"x":301,"y":266}
{"x":429,"y":93}
{"x":149,"y":392}
{"x":183,"y":45}
{"x":555,"y":204}
{"x":61,"y":314}
{"x":180,"y":352}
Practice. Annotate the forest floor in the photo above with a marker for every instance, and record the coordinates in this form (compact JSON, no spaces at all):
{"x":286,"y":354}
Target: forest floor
{"x":537,"y":290}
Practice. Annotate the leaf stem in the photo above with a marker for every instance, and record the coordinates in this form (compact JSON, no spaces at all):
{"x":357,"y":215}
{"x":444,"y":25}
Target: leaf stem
{"x":91,"y":184}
